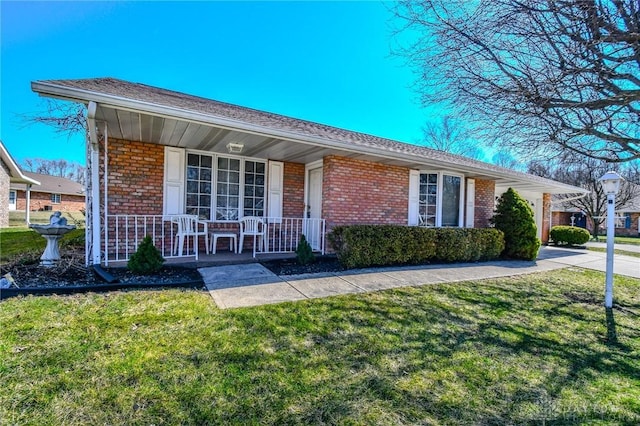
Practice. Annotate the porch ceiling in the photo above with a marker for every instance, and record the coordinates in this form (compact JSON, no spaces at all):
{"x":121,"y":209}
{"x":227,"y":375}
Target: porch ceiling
{"x":141,"y":127}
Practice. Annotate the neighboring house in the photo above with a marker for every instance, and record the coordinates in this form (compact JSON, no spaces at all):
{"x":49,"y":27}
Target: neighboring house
{"x":153,"y":153}
{"x":627,"y":221}
{"x":11,"y":174}
{"x":52,"y":194}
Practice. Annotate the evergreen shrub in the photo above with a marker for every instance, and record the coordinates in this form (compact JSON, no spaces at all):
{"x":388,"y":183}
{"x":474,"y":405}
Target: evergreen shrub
{"x":514,"y":217}
{"x":569,"y":235}
{"x":147,"y":259}
{"x":304,"y":252}
{"x":360,"y":246}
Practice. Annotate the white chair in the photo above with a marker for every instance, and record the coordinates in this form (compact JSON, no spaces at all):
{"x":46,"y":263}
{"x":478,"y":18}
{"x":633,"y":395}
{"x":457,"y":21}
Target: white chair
{"x":254,"y":227}
{"x":189,"y":226}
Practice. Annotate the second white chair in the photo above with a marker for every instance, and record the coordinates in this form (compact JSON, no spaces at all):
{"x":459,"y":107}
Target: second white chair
{"x":254,"y":227}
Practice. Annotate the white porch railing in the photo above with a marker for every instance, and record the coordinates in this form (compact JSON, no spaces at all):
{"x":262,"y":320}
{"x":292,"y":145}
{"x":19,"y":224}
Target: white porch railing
{"x":123,"y":234}
{"x":283,"y":234}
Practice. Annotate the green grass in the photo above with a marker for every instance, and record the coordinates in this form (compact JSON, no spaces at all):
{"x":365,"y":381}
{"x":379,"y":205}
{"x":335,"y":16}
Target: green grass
{"x":507,"y":351}
{"x":616,"y":251}
{"x":627,"y":240}
{"x":619,"y":240}
{"x":16,"y":218}
{"x":15,"y":242}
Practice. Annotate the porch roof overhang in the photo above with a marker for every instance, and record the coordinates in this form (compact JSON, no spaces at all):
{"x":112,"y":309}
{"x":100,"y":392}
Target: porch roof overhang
{"x":16,"y":174}
{"x":143,"y":113}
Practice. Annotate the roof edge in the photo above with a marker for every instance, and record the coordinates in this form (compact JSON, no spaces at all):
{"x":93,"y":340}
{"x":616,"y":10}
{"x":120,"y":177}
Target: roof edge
{"x":53,"y":89}
{"x":15,"y":173}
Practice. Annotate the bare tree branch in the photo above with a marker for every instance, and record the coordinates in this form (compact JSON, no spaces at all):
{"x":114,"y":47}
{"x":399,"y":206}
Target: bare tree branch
{"x":586,"y":172}
{"x":64,"y":117}
{"x":450,"y":135}
{"x":543,"y":76}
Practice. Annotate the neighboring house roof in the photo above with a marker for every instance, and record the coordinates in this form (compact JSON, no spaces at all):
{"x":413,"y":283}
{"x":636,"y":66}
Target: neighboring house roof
{"x":631,"y":206}
{"x":52,"y":185}
{"x":144,"y":113}
{"x":16,"y":175}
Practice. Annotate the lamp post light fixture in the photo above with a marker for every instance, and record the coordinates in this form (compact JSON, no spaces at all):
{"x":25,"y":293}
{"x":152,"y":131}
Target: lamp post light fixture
{"x":610,"y":184}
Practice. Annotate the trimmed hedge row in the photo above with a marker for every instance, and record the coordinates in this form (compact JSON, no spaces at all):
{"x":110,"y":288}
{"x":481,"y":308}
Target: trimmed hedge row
{"x":570,"y":235}
{"x":360,"y":246}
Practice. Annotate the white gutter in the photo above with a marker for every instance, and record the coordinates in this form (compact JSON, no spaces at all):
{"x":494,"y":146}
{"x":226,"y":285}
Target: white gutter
{"x":142,"y":107}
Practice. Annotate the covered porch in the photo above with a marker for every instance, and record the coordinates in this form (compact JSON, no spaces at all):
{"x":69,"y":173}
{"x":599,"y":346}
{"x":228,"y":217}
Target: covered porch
{"x":217,"y":242}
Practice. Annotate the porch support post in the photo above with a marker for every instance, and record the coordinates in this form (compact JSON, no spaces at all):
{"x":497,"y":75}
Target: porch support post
{"x":92,"y":232}
{"x":27,"y":208}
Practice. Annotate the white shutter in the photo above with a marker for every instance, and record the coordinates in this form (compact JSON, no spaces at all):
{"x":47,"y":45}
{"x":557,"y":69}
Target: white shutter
{"x":275,"y":189}
{"x":414,"y":197}
{"x":174,"y":185}
{"x":471,"y":203}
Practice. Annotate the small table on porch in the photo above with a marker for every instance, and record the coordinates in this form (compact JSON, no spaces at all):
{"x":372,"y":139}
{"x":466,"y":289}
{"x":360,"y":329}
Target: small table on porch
{"x":233,"y":240}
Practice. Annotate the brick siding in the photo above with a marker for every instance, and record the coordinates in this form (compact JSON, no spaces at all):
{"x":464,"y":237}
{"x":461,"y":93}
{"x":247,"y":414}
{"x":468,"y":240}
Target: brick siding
{"x":135,"y":176}
{"x":484,"y":203}
{"x":40,"y":201}
{"x":293,"y":191}
{"x":356,"y":191}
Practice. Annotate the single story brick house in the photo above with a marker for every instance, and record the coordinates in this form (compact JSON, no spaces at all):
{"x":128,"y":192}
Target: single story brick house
{"x":53,"y":193}
{"x":153,"y":153}
{"x":11,"y":174}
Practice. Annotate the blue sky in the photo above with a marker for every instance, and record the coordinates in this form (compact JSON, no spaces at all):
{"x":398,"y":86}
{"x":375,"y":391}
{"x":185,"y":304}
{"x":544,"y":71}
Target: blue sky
{"x":328,"y":62}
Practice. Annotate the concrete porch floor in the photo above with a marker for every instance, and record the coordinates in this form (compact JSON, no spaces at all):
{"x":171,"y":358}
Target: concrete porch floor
{"x":221,"y":258}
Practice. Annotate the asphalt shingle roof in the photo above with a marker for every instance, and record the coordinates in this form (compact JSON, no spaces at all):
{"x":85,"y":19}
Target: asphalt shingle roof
{"x":52,"y":185}
{"x":124,"y":90}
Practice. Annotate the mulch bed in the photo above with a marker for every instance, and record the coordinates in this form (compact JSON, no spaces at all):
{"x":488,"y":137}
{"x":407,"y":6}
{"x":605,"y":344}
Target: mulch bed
{"x":71,"y":276}
{"x":291,"y":266}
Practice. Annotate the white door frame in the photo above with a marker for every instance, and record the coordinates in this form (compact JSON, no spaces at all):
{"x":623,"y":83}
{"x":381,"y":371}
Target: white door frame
{"x":313,"y":235}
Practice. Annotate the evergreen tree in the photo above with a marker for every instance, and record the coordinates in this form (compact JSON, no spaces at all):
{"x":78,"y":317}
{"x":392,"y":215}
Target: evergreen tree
{"x":514,"y":217}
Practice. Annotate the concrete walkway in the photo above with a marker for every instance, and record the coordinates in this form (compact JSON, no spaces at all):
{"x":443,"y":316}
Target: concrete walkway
{"x":233,"y":286}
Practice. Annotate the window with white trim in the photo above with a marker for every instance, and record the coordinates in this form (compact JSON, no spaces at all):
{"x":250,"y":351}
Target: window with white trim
{"x":55,"y":198}
{"x":440,"y":199}
{"x":13,"y":196}
{"x":220,"y":188}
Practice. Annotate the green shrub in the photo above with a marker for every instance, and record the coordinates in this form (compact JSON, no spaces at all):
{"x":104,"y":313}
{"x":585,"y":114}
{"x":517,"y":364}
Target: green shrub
{"x":147,"y":259}
{"x":361,"y":246}
{"x":515,"y":219}
{"x":569,"y":235}
{"x":304,"y":252}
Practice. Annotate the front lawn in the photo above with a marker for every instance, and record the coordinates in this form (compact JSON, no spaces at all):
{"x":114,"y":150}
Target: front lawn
{"x":524,"y":350}
{"x":22,"y":241}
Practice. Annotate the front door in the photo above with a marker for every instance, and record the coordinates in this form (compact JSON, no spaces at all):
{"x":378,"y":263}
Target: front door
{"x":12,"y":200}
{"x":313,"y":214}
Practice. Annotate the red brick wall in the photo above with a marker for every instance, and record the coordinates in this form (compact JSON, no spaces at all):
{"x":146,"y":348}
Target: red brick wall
{"x":293,"y":191}
{"x":484,"y":203}
{"x":355,"y":191}
{"x":42,"y":200}
{"x":135,"y":172}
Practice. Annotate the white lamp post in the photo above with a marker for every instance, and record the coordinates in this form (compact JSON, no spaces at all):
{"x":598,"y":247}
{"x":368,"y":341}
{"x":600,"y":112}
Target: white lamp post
{"x":610,"y":184}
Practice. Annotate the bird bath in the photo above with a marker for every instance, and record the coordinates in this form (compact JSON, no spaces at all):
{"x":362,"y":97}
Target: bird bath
{"x":52,"y":232}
